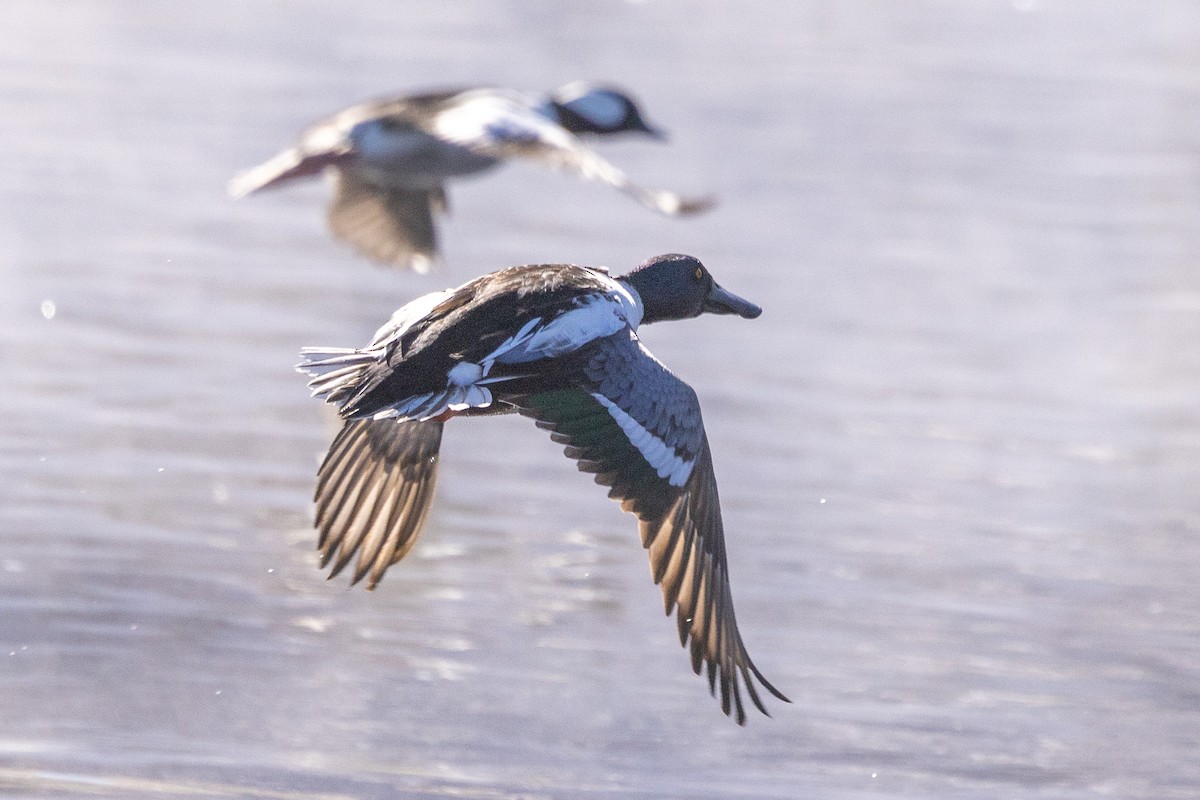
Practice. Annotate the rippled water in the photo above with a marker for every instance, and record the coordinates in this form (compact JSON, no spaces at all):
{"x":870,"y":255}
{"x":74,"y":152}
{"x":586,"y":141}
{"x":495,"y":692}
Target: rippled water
{"x":959,"y":453}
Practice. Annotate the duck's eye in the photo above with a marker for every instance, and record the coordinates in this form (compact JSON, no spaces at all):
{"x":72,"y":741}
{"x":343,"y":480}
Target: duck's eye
{"x":699,"y":273}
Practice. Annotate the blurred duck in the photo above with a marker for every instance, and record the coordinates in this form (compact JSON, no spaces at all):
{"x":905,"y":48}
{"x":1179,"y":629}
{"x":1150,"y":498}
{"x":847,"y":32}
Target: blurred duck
{"x":391,"y":159}
{"x":557,"y":343}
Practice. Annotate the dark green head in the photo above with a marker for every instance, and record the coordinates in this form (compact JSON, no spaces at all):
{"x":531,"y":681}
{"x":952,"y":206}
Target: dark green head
{"x":602,"y":110}
{"x":675,"y":286}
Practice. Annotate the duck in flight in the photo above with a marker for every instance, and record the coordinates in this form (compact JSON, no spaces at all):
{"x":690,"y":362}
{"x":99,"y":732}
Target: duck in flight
{"x":558,"y":343}
{"x":391,"y":159}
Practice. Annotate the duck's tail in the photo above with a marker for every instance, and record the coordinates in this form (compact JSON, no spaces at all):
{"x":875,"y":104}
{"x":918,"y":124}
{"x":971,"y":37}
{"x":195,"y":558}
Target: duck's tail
{"x":349,"y":379}
{"x":338,"y":373}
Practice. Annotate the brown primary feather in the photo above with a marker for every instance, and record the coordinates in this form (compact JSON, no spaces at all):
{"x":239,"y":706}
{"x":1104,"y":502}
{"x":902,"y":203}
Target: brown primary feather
{"x":373,"y":493}
{"x":682,"y":531}
{"x":687,"y":557}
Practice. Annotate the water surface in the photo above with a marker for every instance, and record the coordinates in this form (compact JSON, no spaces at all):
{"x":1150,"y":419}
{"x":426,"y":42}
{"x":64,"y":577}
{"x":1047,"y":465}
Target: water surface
{"x":958,"y":453}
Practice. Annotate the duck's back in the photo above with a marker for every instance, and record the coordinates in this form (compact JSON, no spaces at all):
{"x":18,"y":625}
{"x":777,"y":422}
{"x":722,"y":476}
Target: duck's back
{"x":398,"y":141}
{"x":411,"y":109}
{"x":469,"y":324}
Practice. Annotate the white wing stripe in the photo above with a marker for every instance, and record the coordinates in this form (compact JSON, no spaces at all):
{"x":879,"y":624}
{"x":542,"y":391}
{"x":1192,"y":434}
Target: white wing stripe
{"x":664,"y":460}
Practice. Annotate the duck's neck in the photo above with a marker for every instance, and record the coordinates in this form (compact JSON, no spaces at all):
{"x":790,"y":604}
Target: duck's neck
{"x":548,"y":109}
{"x":566,"y":118}
{"x":641,"y":288}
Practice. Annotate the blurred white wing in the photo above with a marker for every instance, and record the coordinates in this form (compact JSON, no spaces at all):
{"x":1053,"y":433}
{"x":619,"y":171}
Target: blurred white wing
{"x":501,"y":126}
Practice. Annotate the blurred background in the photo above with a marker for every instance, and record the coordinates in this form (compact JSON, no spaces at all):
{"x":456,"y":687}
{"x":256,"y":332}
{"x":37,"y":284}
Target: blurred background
{"x":958,"y":454}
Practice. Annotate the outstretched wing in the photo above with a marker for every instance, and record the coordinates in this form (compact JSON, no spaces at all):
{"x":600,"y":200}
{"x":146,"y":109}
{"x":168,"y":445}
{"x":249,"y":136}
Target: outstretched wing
{"x":629,"y":420}
{"x":323,"y":145}
{"x":500,"y":127}
{"x":293,"y":163}
{"x":373,"y":492}
{"x":388,"y":224}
